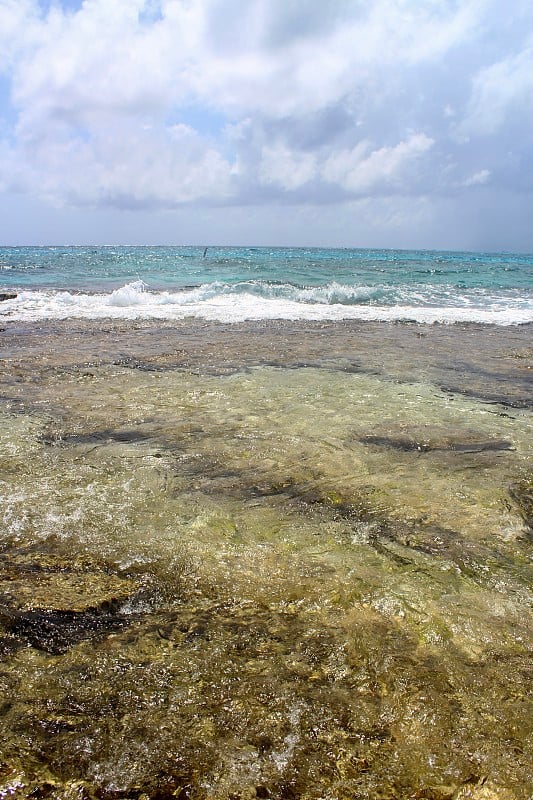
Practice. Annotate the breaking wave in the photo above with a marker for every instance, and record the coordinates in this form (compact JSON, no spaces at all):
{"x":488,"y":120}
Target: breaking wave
{"x":235,"y":302}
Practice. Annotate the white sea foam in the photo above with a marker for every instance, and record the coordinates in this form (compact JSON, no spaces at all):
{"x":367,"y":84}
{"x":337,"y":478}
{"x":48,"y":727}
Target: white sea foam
{"x":130,"y":295}
{"x":236,"y":303}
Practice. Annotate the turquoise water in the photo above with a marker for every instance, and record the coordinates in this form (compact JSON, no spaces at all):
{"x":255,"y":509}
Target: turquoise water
{"x":173,"y":267}
{"x":252,"y":283}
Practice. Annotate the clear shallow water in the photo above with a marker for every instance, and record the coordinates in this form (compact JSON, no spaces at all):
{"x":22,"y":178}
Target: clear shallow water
{"x":232,"y":284}
{"x":222,"y":578}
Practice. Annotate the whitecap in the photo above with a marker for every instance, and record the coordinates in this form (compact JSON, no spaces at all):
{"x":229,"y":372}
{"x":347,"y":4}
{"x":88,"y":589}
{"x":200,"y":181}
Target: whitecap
{"x":132,"y":294}
{"x":238,"y":302}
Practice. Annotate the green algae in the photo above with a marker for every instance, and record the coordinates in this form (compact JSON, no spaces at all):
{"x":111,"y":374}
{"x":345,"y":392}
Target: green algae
{"x":301,"y":611}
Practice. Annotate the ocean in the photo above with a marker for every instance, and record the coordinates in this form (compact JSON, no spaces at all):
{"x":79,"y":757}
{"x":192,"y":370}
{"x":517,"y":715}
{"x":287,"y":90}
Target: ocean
{"x":264,"y":532}
{"x":252,"y":283}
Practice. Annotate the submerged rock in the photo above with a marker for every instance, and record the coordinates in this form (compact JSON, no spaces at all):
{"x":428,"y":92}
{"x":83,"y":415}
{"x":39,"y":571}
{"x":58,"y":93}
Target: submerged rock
{"x":408,"y":444}
{"x":49,"y":605}
{"x":56,"y":631}
{"x":98,"y":437}
{"x":73,"y":592}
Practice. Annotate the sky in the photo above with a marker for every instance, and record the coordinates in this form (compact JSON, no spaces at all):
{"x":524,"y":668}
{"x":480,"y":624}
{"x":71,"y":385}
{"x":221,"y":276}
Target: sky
{"x":352,"y":123}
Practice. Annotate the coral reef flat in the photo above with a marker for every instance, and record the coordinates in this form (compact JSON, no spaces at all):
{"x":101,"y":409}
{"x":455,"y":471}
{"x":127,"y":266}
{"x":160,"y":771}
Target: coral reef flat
{"x":265,"y":559}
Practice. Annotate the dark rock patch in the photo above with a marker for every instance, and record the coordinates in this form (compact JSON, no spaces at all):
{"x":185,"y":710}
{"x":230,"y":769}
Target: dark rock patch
{"x":56,"y":631}
{"x":50,"y":601}
{"x":494,"y":399}
{"x":9,"y":645}
{"x":406,"y":444}
{"x":98,"y":437}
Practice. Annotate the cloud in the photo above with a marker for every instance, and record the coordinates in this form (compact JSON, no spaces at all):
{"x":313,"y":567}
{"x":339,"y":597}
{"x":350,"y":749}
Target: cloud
{"x":478,"y":178}
{"x":287,"y":169}
{"x":126,"y":168}
{"x":500,"y":91}
{"x":17,"y":19}
{"x":359,"y":170}
{"x":156,"y":104}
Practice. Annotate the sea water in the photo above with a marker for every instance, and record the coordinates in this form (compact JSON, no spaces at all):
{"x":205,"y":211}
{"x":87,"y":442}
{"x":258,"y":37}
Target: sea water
{"x":268,"y":558}
{"x":233,"y":284}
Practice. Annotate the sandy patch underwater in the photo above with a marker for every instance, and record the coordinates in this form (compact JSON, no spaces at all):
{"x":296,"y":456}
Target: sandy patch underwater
{"x":278,"y":560}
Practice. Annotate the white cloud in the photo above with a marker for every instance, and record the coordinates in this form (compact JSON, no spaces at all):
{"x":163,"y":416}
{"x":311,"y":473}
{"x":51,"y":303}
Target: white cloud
{"x":223,"y":53}
{"x":326,"y":64}
{"x":499,"y":91}
{"x":478,"y":178}
{"x":285,"y":168}
{"x":123,"y":167}
{"x":18,"y":21}
{"x":359,"y":170}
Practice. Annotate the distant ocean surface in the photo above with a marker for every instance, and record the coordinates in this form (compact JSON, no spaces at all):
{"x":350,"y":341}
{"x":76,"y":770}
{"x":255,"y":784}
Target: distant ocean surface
{"x":234,"y":284}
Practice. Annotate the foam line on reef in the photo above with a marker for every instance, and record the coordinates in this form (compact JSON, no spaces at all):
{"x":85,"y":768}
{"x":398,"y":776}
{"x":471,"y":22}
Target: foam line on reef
{"x":233,"y":303}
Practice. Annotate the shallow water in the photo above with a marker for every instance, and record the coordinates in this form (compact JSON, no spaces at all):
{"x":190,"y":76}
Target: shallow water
{"x":283,"y":562}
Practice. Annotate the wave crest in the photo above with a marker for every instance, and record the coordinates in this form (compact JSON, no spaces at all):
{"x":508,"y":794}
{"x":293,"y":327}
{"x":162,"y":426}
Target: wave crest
{"x":234,"y":302}
{"x":137,"y":293}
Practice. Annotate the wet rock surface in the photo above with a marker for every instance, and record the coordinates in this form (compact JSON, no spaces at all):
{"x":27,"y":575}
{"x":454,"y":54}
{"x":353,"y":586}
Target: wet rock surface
{"x":56,"y":631}
{"x":47,"y":603}
{"x":497,"y":368}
